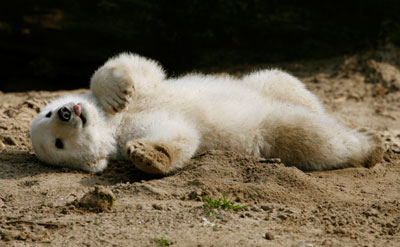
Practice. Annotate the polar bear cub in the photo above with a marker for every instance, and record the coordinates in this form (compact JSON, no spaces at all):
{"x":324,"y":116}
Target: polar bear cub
{"x":133,"y":112}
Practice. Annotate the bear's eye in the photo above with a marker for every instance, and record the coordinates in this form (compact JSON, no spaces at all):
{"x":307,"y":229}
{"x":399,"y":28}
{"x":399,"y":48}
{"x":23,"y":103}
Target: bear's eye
{"x":59,"y":144}
{"x":48,"y":115}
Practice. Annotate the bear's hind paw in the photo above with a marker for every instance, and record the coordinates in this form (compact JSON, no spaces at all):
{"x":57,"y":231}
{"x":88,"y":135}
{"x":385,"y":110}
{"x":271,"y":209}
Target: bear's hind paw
{"x":149,"y":157}
{"x":375,"y":152}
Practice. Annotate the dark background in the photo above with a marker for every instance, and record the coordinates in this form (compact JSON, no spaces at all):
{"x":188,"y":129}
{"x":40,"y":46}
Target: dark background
{"x":49,"y":45}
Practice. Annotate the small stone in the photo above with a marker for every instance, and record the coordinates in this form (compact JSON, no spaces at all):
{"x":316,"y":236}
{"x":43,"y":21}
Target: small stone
{"x":266,"y":208}
{"x":143,"y":207}
{"x":9,"y":141}
{"x":206,"y":222}
{"x":303,"y":245}
{"x":269,"y":236}
{"x":282,"y":217}
{"x":248,"y":215}
{"x":255,"y":209}
{"x":21,"y":236}
{"x":271,"y":161}
{"x":157,"y":206}
{"x":10,"y":113}
{"x":390,"y":225}
{"x":195,"y":195}
{"x":289,"y":211}
{"x":371,"y":212}
{"x":2,"y":146}
{"x":3,"y":236}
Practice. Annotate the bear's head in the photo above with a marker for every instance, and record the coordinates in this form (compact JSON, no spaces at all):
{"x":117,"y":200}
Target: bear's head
{"x":71,"y":131}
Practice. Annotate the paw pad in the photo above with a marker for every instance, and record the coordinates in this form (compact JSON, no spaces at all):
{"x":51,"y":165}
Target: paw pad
{"x":151,"y":158}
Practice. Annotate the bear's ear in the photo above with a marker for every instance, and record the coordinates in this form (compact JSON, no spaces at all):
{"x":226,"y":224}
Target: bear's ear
{"x":97,"y":166}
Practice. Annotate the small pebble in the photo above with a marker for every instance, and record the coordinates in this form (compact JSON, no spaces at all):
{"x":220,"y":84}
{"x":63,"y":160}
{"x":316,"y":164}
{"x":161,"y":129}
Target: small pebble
{"x":143,"y":207}
{"x":371,"y":213}
{"x":10,"y":113}
{"x":390,"y":225}
{"x":266,"y":207}
{"x":248,"y":215}
{"x":2,"y":146}
{"x":269,"y":236}
{"x":9,"y":141}
{"x":269,"y":161}
{"x":303,"y":245}
{"x":157,"y":206}
{"x":282,"y":217}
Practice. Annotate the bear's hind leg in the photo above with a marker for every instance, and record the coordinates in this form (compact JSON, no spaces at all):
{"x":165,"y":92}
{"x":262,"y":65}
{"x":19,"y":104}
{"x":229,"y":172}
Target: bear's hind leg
{"x":283,"y":87}
{"x":373,"y":146}
{"x":312,"y":141}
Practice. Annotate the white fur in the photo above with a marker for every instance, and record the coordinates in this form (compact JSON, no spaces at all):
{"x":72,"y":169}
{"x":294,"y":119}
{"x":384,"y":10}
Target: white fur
{"x":133,"y":112}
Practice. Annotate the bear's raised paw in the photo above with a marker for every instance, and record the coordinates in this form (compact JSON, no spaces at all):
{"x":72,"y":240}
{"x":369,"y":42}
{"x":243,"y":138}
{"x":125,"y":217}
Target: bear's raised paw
{"x":113,"y":87}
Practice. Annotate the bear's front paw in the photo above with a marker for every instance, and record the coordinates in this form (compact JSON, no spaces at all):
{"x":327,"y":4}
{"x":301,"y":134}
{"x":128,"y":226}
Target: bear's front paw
{"x":149,"y":157}
{"x":113,"y":87}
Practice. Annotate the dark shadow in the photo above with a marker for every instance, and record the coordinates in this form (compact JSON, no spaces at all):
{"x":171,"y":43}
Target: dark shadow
{"x":21,"y":164}
{"x":119,"y":172}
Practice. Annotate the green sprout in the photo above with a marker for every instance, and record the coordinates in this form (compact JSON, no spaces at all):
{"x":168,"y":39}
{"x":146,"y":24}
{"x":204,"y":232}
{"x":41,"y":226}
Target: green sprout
{"x":222,"y":203}
{"x":161,"y":242}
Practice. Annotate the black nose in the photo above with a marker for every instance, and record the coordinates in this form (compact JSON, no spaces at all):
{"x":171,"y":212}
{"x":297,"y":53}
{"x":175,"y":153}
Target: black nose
{"x":64,"y":114}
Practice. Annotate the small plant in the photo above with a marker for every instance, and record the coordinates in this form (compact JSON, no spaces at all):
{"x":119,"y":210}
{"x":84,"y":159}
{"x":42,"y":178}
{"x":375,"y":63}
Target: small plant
{"x":215,"y":228}
{"x":109,"y":198}
{"x":222,"y":203}
{"x":161,"y":242}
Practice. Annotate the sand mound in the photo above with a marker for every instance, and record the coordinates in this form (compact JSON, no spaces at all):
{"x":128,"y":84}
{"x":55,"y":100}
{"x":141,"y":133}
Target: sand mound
{"x":240,"y":177}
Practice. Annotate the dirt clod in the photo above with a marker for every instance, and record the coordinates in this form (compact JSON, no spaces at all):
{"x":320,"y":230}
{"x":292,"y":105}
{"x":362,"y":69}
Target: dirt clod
{"x":100,"y":199}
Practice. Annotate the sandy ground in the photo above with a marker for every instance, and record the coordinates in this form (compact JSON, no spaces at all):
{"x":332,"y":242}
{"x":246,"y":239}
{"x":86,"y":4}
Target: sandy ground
{"x":285,"y":206}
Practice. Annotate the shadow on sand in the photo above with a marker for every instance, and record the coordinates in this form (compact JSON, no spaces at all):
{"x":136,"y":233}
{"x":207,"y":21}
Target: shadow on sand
{"x":21,"y":164}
